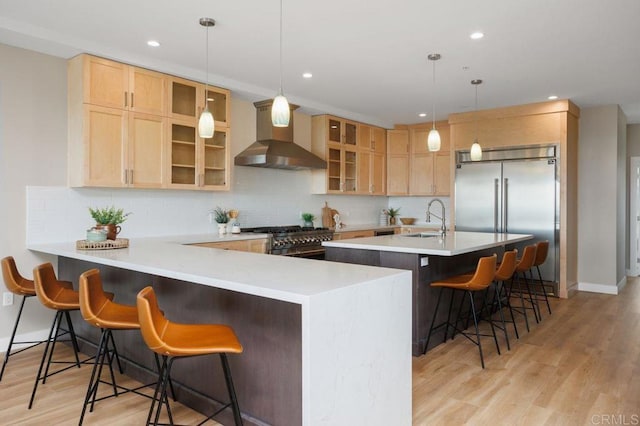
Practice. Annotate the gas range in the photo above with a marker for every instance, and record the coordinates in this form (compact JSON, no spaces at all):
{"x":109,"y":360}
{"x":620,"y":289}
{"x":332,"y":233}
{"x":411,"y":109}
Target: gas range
{"x":296,"y":240}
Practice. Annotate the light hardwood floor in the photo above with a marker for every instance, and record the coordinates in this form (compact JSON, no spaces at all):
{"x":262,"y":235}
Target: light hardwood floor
{"x":580,"y":366}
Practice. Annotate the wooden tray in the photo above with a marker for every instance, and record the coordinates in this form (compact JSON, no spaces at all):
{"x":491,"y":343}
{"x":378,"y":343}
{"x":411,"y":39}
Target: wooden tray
{"x":118,"y":243}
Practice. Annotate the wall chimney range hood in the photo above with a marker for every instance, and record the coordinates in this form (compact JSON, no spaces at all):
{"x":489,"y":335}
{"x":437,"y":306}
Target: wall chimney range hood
{"x":275,"y":148}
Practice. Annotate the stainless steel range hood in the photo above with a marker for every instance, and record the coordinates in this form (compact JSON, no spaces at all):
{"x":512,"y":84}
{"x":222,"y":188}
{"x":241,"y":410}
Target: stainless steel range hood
{"x":275,"y":148}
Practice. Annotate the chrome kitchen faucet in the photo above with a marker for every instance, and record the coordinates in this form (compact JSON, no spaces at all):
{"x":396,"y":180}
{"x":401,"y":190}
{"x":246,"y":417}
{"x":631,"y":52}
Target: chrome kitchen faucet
{"x":443,"y":228}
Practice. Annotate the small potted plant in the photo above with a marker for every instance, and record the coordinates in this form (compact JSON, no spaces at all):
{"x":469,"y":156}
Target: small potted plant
{"x":109,"y":218}
{"x":221,"y":216}
{"x":392,"y":213}
{"x":308,"y":219}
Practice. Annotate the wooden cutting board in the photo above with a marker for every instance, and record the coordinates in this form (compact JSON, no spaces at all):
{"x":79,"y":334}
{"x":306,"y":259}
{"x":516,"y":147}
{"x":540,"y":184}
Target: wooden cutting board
{"x":327,"y":216}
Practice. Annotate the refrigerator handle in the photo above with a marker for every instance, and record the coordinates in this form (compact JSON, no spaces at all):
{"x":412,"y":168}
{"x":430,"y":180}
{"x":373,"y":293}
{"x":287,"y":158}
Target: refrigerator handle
{"x":495,"y":205}
{"x":505,"y":205}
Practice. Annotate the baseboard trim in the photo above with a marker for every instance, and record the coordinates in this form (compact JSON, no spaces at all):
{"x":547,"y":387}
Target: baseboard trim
{"x":598,"y":288}
{"x":33,"y":336}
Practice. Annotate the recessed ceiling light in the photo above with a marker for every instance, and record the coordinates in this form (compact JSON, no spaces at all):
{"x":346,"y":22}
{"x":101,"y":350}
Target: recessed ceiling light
{"x":477,"y":35}
{"x":153,"y":43}
{"x":422,"y":114}
{"x":552,"y":97}
{"x":307,"y":75}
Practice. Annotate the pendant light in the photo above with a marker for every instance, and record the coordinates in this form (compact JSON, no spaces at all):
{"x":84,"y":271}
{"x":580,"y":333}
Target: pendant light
{"x":205,"y":123}
{"x":280,"y":112}
{"x":433,"y":140}
{"x":476,"y":149}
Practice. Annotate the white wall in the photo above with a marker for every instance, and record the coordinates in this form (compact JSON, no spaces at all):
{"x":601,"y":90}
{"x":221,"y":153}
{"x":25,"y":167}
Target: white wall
{"x":33,"y":134}
{"x":601,"y":200}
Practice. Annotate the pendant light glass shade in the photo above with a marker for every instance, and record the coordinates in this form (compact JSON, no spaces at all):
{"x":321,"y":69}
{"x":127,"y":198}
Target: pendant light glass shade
{"x":280,"y":112}
{"x":206,"y":125}
{"x":433,"y":140}
{"x":476,"y":151}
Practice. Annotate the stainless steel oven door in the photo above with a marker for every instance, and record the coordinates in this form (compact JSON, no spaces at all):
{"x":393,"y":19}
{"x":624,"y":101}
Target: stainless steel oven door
{"x":307,"y":254}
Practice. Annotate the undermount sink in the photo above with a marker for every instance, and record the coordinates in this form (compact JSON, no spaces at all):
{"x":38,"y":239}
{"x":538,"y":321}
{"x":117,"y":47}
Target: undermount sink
{"x":423,"y":235}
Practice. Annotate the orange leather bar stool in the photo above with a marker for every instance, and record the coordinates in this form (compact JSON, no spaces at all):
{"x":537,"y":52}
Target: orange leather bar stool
{"x":55,"y":295}
{"x":542,"y":249}
{"x":173,"y":341}
{"x":524,"y":264}
{"x":100,"y":311}
{"x":503,"y":274}
{"x":478,"y":282}
{"x":19,"y":286}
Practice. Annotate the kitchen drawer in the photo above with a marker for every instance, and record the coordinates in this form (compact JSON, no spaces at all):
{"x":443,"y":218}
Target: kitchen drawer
{"x":255,"y":245}
{"x":353,"y":234}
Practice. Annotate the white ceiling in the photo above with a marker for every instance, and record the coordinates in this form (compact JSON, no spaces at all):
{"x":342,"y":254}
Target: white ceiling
{"x":368,"y":57}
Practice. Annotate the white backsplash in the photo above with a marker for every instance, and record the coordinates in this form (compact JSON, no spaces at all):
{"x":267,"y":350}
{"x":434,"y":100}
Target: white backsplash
{"x":417,"y":207}
{"x":262,"y":196}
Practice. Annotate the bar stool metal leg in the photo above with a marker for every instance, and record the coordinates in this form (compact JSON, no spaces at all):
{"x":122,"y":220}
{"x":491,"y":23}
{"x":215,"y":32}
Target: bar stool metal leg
{"x":12,"y":339}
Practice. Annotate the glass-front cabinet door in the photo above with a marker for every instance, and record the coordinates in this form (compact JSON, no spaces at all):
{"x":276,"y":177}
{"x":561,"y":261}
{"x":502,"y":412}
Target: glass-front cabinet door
{"x":350,"y":171}
{"x":215,"y":159}
{"x":342,"y":131}
{"x":182,"y":153}
{"x":334,"y":173}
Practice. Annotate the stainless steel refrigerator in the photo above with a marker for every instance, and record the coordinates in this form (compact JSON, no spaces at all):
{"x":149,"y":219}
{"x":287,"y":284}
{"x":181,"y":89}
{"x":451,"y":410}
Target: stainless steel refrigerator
{"x":511,"y":190}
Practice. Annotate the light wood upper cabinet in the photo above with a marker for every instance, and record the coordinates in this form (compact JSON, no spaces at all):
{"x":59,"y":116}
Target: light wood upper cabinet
{"x":335,"y":140}
{"x":398,"y":162}
{"x":372,"y":160}
{"x":116,"y":85}
{"x":101,"y":160}
{"x":132,"y":127}
{"x":411,"y":168}
{"x":194,"y":162}
{"x":430,"y":171}
{"x":187,"y":100}
{"x":145,"y":150}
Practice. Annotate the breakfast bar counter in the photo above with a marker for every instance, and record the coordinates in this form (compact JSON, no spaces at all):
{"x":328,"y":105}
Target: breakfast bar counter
{"x":324,"y":342}
{"x":430,"y":256}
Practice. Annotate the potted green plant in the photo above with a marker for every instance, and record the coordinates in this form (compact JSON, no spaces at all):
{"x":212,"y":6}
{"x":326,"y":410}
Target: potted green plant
{"x":392,"y":213}
{"x":308,"y":219}
{"x":109,"y":218}
{"x":221,"y":216}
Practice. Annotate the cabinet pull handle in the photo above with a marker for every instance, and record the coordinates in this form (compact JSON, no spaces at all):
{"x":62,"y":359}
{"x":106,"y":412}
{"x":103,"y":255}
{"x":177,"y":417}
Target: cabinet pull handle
{"x":373,"y":145}
{"x":125,"y":99}
{"x":125,"y":177}
{"x":131,"y":171}
{"x":131,"y":99}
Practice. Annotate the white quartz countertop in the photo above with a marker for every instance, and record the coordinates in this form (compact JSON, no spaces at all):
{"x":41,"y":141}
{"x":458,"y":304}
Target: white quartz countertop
{"x":452,"y":244}
{"x":278,"y":277}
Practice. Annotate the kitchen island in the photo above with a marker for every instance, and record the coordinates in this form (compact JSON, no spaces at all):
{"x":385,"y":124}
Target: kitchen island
{"x":324,"y":343}
{"x":430,"y":257}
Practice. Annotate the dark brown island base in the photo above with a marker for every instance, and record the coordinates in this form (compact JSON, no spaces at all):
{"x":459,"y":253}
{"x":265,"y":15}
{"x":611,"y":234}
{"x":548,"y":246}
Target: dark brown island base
{"x":430,"y":257}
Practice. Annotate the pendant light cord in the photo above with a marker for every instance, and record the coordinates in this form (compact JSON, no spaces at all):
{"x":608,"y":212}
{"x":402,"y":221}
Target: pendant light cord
{"x":206,"y":81}
{"x":281,"y":47}
{"x":476,"y":121}
{"x":433,"y":118}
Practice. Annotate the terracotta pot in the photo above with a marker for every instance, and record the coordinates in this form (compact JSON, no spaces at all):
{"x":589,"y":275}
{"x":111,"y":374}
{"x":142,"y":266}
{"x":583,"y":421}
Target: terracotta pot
{"x":112,"y":230}
{"x":392,"y":221}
